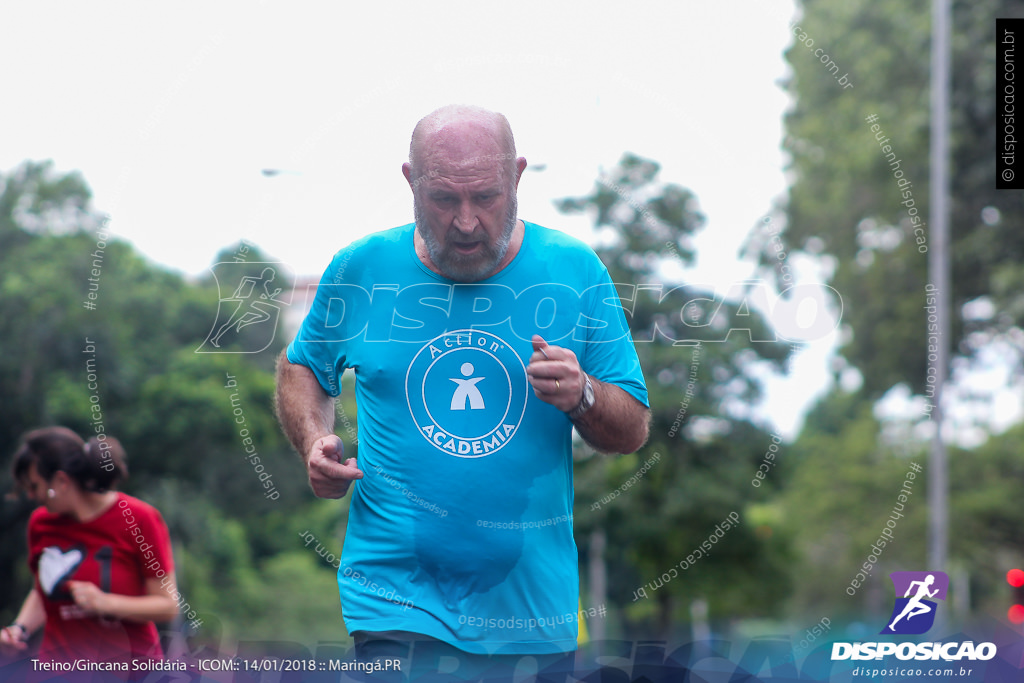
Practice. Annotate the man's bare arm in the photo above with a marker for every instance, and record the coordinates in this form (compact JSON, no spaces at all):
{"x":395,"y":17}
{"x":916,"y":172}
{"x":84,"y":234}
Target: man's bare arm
{"x":616,"y":423}
{"x":306,"y":414}
{"x":303,"y":408}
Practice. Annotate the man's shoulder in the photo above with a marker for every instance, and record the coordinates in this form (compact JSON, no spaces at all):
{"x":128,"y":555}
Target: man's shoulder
{"x":383,"y":240}
{"x":369,"y":250}
{"x":544,"y":241}
{"x":549,"y":237}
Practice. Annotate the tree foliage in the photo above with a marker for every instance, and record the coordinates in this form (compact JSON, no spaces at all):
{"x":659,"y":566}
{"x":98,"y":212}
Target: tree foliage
{"x":851,"y":203}
{"x":849,"y":206}
{"x":704,"y":449}
{"x":241,"y":559}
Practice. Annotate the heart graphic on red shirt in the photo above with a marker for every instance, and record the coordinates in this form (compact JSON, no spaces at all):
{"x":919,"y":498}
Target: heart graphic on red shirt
{"x":55,"y":566}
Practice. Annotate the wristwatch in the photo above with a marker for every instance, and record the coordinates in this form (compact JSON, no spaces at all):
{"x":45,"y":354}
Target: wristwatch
{"x":586,"y":402}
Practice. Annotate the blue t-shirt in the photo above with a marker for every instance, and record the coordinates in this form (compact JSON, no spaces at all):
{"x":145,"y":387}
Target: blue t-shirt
{"x":461,"y":528}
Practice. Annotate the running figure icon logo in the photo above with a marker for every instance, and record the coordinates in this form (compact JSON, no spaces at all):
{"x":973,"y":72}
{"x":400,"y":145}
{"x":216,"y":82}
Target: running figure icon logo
{"x":248,"y":308}
{"x":467,"y":393}
{"x":914,"y":613}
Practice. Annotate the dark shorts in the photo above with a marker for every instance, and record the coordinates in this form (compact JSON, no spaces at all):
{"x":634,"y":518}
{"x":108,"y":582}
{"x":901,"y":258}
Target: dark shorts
{"x":403,"y":657}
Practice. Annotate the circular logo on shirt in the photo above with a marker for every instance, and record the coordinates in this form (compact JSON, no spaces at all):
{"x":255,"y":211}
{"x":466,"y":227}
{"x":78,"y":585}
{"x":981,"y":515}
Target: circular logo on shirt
{"x":467,"y":393}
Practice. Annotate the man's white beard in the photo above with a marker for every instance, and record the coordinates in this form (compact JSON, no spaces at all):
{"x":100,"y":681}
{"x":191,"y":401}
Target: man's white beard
{"x":455,"y":266}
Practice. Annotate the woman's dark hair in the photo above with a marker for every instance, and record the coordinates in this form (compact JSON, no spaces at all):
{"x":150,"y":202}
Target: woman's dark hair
{"x":96,"y":466}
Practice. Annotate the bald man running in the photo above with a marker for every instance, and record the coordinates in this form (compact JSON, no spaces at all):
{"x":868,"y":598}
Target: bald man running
{"x":478,"y":342}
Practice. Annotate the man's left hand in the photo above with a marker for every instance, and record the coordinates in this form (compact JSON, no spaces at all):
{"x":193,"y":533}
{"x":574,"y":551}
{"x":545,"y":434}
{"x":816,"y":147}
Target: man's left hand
{"x":555,"y":375}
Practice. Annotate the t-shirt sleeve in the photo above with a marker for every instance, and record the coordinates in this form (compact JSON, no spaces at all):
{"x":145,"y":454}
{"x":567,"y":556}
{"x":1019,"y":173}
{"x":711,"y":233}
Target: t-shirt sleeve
{"x":608,"y":351}
{"x":331,"y":321}
{"x":155,"y":543}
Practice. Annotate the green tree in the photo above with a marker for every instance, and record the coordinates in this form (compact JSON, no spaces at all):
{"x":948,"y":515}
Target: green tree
{"x":844,"y":487}
{"x":850,"y":205}
{"x":699,"y":355}
{"x":176,"y":411}
{"x":848,"y":469}
{"x":846,"y":203}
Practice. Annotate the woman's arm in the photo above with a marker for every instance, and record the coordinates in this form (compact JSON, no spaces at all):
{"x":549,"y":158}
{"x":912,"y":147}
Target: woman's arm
{"x":158,"y":604}
{"x":31,"y":617}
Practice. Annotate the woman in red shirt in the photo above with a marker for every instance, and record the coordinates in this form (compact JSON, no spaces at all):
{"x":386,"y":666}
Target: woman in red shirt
{"x":101,"y":559}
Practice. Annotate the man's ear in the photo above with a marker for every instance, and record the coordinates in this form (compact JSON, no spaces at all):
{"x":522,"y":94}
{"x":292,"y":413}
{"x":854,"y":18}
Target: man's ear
{"x":407,"y":172}
{"x":520,"y":167}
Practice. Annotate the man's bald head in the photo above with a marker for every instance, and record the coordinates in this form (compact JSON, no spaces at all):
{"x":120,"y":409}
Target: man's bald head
{"x":464,"y":134}
{"x":464,"y":175}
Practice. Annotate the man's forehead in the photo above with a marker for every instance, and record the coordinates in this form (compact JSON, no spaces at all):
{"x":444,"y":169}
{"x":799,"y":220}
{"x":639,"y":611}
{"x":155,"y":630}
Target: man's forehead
{"x":471,"y":182}
{"x":466,"y":161}
{"x":483,"y":164}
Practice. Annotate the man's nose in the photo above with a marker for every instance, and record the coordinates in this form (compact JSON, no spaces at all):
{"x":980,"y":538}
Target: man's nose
{"x":465,"y":218}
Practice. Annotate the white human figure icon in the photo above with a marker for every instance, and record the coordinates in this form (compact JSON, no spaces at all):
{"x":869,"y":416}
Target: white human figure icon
{"x":467,"y":390}
{"x":914,"y":606}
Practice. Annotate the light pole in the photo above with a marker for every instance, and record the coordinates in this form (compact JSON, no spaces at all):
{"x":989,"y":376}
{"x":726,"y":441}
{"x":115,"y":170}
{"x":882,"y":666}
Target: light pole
{"x":938,"y":275}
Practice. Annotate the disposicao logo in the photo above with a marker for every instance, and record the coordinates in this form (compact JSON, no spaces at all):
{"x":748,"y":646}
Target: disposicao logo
{"x":914,"y":614}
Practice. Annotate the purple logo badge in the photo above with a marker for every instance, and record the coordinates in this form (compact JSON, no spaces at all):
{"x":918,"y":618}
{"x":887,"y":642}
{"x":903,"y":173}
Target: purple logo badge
{"x":914,"y":612}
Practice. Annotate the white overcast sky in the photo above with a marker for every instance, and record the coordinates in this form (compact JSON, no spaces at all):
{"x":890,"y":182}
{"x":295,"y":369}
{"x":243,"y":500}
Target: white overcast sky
{"x":171,"y":111}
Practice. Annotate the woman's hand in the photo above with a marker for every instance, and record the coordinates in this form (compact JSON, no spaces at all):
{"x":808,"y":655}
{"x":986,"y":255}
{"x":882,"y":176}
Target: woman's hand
{"x":13,"y":639}
{"x":89,"y":597}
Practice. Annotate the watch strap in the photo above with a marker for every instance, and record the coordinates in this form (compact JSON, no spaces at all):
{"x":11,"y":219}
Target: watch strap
{"x":584,"y":405}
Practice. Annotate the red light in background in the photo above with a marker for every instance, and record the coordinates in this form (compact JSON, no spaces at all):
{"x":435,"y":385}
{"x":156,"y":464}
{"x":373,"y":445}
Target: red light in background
{"x":1016,"y":614}
{"x":1015,"y":577}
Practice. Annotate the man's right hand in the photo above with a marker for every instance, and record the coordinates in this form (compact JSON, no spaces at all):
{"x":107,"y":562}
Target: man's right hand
{"x":329,"y":477}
